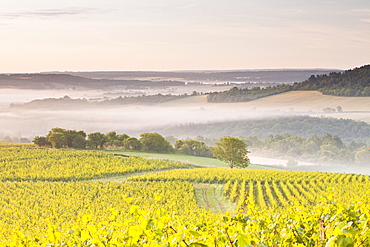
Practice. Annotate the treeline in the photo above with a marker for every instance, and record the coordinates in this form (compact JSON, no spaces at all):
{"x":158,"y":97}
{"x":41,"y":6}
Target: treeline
{"x":10,"y":139}
{"x":148,"y":142}
{"x":62,"y":81}
{"x":354,"y":82}
{"x":318,"y":149}
{"x":66,"y":101}
{"x":303,"y":126}
{"x":242,"y":95}
{"x":324,"y":149}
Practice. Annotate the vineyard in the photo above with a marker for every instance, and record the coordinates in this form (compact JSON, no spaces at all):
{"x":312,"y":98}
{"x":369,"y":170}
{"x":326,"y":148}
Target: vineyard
{"x":48,"y":198}
{"x":272,"y":189}
{"x":19,"y":164}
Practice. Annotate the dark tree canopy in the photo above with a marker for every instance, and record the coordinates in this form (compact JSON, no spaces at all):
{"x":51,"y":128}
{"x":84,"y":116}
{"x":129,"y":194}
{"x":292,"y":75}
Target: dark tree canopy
{"x":132,"y":143}
{"x":154,"y":142}
{"x":193,"y":147}
{"x":41,"y":141}
{"x":57,"y":140}
{"x":96,"y":140}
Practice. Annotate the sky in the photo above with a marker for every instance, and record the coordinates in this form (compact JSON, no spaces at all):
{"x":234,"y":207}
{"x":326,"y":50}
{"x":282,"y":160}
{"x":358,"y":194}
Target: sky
{"x":111,"y":35}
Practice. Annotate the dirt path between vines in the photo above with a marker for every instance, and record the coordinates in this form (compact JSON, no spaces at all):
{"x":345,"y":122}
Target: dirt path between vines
{"x":210,"y":197}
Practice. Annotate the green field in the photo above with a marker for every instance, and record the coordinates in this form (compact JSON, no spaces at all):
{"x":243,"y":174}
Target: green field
{"x":194,"y":160}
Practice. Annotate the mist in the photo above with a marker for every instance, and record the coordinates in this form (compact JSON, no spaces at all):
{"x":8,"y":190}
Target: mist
{"x":128,"y":119}
{"x":18,"y":96}
{"x":134,"y":120}
{"x":309,"y":166}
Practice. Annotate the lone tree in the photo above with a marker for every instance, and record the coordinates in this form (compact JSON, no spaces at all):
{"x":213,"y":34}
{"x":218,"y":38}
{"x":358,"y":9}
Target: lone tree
{"x":233,"y":151}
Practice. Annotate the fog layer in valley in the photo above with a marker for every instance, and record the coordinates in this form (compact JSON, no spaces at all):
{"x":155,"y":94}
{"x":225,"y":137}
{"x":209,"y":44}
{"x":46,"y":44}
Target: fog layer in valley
{"x":136,"y":119}
{"x":128,"y":119}
{"x":307,"y":166}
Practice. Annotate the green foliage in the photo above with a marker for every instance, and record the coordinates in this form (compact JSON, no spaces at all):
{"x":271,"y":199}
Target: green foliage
{"x":233,"y":151}
{"x":41,"y":141}
{"x":57,"y":137}
{"x":132,"y":143}
{"x":111,"y":138}
{"x":75,"y":139}
{"x":154,"y":142}
{"x":57,"y":140}
{"x":193,"y":147}
{"x":115,"y":140}
{"x":120,"y":140}
{"x":96,"y":140}
{"x":242,"y":95}
{"x":354,"y":82}
{"x":79,"y":142}
{"x":322,"y":149}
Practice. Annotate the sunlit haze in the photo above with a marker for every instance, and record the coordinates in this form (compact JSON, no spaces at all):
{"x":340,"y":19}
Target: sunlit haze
{"x":92,"y":35}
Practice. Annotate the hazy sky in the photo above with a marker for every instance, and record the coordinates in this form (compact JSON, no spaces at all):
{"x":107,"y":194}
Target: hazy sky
{"x":81,"y":35}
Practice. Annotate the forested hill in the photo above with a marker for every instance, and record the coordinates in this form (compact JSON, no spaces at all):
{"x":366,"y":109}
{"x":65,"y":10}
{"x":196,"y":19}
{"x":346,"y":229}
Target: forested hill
{"x":355,"y":83}
{"x":302,"y":126}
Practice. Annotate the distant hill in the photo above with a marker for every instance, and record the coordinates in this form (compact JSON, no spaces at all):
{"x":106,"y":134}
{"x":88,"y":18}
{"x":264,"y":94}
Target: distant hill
{"x":210,"y":76}
{"x":65,"y":81}
{"x":128,"y":80}
{"x":67,"y":102}
{"x":354,"y":82}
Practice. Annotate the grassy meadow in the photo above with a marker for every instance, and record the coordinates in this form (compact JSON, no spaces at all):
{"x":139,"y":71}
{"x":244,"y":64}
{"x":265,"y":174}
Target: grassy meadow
{"x":194,"y":160}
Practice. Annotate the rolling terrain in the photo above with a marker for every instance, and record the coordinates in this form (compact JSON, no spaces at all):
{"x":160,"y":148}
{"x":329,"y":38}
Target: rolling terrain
{"x":295,"y":102}
{"x":53,"y":198}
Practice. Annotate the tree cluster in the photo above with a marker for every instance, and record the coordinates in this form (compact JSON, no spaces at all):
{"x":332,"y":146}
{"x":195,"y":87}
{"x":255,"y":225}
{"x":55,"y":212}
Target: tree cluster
{"x":354,"y":82}
{"x":230,"y":149}
{"x":148,"y":142}
{"x":321,"y":149}
{"x":62,"y":138}
{"x":304,"y":126}
{"x":243,"y":95}
{"x":193,"y":147}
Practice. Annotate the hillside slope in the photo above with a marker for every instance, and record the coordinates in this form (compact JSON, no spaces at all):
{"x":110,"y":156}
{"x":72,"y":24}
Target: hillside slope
{"x":354,"y":82}
{"x":310,"y":103}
